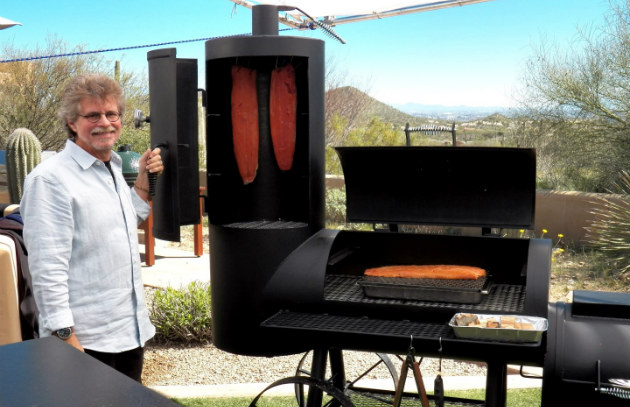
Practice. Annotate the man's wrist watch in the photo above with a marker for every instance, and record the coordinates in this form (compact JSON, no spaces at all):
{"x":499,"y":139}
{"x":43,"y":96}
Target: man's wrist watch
{"x":63,"y":333}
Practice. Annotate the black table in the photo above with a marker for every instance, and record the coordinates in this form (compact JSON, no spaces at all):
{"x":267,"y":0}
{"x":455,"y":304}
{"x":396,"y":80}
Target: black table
{"x":48,"y":372}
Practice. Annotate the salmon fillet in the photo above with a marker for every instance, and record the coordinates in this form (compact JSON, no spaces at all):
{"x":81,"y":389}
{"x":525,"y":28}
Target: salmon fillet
{"x":282,"y":115}
{"x":245,"y":122}
{"x":439,"y":271}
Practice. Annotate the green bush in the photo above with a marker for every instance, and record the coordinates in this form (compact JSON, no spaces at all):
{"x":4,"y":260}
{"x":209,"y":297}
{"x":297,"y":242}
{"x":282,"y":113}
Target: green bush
{"x":610,"y":230}
{"x":335,"y":206}
{"x":336,"y":212}
{"x":183,"y":315}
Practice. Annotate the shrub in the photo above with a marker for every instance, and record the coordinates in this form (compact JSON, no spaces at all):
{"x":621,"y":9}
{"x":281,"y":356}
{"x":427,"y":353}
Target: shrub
{"x":335,"y":206}
{"x":183,"y":315}
{"x":610,"y":230}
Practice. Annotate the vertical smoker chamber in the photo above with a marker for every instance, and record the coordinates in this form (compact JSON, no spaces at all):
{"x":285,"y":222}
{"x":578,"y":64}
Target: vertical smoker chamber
{"x":254,"y":227}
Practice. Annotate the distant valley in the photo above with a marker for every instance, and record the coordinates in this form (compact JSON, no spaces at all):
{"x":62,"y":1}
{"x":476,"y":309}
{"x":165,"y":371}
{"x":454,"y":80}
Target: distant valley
{"x":413,"y":113}
{"x":454,"y":113}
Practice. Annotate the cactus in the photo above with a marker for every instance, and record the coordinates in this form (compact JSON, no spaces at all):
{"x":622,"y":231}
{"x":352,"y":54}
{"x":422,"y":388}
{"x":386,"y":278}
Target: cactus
{"x":23,"y":153}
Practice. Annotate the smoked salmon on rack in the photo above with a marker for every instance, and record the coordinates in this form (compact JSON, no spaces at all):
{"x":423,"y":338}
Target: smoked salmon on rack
{"x":439,"y":271}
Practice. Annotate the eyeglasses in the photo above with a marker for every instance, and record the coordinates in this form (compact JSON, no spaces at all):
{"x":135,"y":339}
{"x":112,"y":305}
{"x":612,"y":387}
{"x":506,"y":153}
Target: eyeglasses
{"x":95,"y":117}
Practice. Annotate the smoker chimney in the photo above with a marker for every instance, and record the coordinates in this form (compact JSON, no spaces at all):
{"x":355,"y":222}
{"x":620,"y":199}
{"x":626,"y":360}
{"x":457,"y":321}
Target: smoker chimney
{"x":265,"y":20}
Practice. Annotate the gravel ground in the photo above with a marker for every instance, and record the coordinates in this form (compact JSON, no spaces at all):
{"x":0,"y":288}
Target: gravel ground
{"x":203,"y":364}
{"x":207,"y":365}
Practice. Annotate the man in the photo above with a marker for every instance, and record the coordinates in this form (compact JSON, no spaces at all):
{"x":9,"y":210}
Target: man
{"x":80,"y":230}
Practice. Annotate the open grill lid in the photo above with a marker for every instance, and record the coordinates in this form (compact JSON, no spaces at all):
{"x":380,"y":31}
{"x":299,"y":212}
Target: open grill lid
{"x":457,"y":186}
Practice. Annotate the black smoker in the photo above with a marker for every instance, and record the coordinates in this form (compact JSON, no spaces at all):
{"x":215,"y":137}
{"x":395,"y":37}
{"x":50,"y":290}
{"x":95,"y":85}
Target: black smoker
{"x":254,"y":227}
{"x":282,"y":283}
{"x":323,"y":298}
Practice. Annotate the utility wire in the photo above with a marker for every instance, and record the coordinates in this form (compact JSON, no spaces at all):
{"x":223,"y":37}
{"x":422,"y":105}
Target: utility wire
{"x":70,"y":54}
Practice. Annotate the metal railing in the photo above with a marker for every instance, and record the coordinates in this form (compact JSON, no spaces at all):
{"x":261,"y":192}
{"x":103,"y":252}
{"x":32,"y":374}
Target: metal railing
{"x":430,"y":129}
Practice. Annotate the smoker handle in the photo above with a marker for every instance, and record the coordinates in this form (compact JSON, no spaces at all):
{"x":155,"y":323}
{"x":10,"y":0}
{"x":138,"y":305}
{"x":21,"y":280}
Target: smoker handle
{"x":152,"y":175}
{"x":152,"y":182}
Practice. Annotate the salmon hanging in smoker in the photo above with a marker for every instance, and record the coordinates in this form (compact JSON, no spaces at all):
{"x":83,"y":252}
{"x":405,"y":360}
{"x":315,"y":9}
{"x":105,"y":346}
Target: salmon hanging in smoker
{"x":282,"y":115}
{"x":245,"y":121}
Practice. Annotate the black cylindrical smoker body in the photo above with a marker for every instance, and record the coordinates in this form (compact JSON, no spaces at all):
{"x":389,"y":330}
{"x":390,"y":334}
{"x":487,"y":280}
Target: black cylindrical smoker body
{"x":253,"y":227}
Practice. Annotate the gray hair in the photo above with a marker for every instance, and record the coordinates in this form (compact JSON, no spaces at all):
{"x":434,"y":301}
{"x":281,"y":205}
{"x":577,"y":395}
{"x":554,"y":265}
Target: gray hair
{"x":87,"y":85}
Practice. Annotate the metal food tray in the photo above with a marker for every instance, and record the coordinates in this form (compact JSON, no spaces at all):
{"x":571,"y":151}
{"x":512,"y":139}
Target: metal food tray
{"x":426,"y":289}
{"x":502,"y":334}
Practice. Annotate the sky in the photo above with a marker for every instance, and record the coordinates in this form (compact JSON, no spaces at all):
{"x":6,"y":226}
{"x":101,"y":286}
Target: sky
{"x":472,"y":55}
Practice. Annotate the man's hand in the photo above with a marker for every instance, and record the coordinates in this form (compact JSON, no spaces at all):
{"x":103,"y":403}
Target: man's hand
{"x":74,"y":341}
{"x":150,"y":162}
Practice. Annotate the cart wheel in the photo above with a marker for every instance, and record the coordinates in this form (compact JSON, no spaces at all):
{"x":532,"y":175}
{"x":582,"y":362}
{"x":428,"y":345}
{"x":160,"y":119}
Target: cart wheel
{"x":331,"y":396}
{"x":360,"y":367}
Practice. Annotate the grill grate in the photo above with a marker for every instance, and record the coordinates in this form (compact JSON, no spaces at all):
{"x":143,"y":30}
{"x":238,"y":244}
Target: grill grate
{"x":340,"y":323}
{"x":504,"y":298}
{"x":477,"y":284}
{"x":267,"y":224}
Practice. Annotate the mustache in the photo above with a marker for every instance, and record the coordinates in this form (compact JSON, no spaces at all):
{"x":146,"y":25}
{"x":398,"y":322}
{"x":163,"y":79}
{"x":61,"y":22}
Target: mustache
{"x":101,"y":130}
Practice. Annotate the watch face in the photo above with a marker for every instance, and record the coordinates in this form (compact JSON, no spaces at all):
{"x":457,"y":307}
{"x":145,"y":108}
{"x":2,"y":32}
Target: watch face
{"x":64,"y":333}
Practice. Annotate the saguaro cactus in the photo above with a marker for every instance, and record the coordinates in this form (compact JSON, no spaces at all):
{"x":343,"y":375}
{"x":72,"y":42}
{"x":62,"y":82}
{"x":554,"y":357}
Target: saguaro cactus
{"x":23,"y":153}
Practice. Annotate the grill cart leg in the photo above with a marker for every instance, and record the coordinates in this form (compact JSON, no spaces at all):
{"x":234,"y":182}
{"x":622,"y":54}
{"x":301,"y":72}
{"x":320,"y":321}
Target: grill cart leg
{"x":318,"y":372}
{"x":496,"y":384}
{"x":337,"y":369}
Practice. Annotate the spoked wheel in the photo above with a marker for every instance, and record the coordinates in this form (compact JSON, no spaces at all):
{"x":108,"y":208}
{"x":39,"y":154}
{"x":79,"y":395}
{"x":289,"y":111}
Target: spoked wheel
{"x":362,"y":372}
{"x":326,"y":394}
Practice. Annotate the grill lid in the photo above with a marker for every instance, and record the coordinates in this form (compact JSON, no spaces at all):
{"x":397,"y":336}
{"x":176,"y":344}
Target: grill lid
{"x":458,"y":186}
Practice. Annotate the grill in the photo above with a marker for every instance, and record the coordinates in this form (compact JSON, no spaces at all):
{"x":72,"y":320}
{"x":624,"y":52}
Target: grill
{"x":454,"y":291}
{"x":282,"y":283}
{"x":318,"y":323}
{"x":501,"y":298}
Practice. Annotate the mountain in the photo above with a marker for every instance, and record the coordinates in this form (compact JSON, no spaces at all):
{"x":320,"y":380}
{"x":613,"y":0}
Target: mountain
{"x":348,"y":100}
{"x":389,"y":114}
{"x":412,"y":113}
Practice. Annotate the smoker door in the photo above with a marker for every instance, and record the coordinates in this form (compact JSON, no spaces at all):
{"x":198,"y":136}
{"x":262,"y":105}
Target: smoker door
{"x":173,"y":90}
{"x":462,"y":186}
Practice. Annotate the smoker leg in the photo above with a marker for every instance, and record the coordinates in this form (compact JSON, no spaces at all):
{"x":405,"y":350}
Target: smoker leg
{"x":318,"y":371}
{"x":337,"y":369}
{"x":496,"y":384}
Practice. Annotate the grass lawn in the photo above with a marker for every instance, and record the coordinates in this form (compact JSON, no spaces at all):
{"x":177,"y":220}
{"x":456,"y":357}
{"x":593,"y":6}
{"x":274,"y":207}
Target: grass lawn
{"x":515,"y":398}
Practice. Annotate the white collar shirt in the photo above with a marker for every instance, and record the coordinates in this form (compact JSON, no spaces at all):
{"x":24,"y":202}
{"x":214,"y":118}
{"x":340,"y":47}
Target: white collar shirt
{"x":81,"y":233}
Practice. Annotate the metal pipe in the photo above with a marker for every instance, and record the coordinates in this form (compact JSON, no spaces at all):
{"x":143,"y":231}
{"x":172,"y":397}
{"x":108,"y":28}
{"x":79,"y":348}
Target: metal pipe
{"x":265,"y":20}
{"x":402,"y":11}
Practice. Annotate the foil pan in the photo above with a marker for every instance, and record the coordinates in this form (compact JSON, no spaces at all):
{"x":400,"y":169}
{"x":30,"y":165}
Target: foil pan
{"x":502,"y":334}
{"x":424,"y":289}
